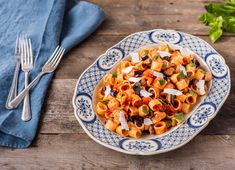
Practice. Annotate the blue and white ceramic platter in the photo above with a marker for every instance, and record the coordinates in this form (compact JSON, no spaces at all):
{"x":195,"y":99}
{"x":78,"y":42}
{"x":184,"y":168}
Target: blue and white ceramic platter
{"x":198,"y":119}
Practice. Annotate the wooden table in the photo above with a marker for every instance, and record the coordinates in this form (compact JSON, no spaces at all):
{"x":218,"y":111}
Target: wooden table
{"x":62,"y":143}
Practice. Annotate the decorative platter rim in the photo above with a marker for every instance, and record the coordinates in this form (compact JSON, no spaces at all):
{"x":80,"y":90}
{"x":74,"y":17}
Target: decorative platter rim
{"x":153,"y":146}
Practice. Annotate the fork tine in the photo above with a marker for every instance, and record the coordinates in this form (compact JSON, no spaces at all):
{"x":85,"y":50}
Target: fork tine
{"x":30,"y":52}
{"x":59,"y":58}
{"x":21,"y":49}
{"x":53,"y":54}
{"x":27,"y":50}
{"x":57,"y":55}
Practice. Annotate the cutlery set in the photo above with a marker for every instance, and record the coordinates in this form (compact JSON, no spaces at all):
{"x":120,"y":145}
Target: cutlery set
{"x":24,"y":59}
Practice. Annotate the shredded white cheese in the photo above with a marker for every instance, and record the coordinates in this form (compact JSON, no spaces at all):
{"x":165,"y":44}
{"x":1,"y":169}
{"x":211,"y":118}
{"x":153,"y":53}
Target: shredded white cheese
{"x":172,"y":91}
{"x":182,"y":68}
{"x":134,"y":79}
{"x":145,"y":93}
{"x":135,"y":57}
{"x":148,"y":121}
{"x":200,"y":85}
{"x":127,"y":70}
{"x":158,"y":74}
{"x":123,"y":121}
{"x":164,"y":54}
{"x":107,"y":91}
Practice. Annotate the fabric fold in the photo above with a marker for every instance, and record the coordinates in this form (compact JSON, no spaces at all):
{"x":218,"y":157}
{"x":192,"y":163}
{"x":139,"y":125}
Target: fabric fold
{"x":47,"y":23}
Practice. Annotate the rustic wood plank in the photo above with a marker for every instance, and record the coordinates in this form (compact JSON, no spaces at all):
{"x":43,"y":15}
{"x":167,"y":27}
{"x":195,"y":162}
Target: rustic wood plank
{"x":58,"y":116}
{"x":89,"y":50}
{"x":78,"y":151}
{"x":124,"y":16}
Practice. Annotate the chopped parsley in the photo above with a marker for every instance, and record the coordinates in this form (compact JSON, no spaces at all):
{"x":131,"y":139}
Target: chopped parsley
{"x":145,"y":110}
{"x":169,"y":49}
{"x":162,"y":81}
{"x":179,"y":117}
{"x":191,"y":64}
{"x":114,"y":75}
{"x":203,"y":71}
{"x":192,"y":93}
{"x":161,"y":101}
{"x":182,"y":75}
{"x":168,"y":123}
{"x":146,"y":51}
{"x":165,"y":64}
{"x":103,"y":102}
{"x":155,"y":57}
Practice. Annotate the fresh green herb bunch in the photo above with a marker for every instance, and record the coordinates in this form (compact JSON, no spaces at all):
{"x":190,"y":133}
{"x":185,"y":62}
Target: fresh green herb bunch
{"x":219,"y":17}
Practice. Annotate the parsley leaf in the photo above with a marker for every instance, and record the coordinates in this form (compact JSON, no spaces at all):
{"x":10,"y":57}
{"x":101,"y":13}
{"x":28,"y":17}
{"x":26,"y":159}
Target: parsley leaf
{"x":162,"y":81}
{"x":169,"y":49}
{"x":192,"y":93}
{"x":220,"y":18}
{"x":179,"y":117}
{"x":114,"y":75}
{"x":146,"y":51}
{"x":182,"y":75}
{"x":155,"y":57}
{"x":103,"y":102}
{"x":203,"y":71}
{"x":216,"y":31}
{"x":191,"y":64}
{"x":165,"y":64}
{"x":145,"y":110}
{"x":161,"y":101}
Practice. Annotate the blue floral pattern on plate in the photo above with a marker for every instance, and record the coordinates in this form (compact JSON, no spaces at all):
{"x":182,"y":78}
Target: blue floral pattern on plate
{"x":197,"y":121}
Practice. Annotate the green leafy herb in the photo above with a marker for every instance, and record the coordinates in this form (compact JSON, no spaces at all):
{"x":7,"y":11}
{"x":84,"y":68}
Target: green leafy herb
{"x":182,"y":75}
{"x":161,"y":101}
{"x":145,"y":110}
{"x":103,"y":102}
{"x":162,"y":81}
{"x":191,"y":64}
{"x":146,"y":51}
{"x":216,"y":31}
{"x":169,"y":49}
{"x":219,"y":17}
{"x":203,"y":71}
{"x":179,"y":117}
{"x":155,"y":57}
{"x":114,"y":75}
{"x":168,"y":122}
{"x":165,"y":64}
{"x":192,"y":93}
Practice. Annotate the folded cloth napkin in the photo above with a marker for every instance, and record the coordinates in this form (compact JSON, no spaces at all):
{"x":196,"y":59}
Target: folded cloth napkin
{"x":48,"y":23}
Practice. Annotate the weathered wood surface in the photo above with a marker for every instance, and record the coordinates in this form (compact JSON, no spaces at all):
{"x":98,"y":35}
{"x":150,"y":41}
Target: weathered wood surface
{"x":78,"y":151}
{"x":62,"y":143}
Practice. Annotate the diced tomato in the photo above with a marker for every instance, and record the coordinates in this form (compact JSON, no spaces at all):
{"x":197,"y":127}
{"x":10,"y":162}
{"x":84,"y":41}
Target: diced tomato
{"x":158,"y":107}
{"x":170,"y":109}
{"x":146,"y":100}
{"x":116,"y":87}
{"x":108,"y":114}
{"x":137,"y":104}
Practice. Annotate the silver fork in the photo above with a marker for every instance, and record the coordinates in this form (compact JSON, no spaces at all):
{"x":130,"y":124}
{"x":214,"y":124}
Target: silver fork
{"x":13,"y":90}
{"x":49,"y":67}
{"x":26,"y":66}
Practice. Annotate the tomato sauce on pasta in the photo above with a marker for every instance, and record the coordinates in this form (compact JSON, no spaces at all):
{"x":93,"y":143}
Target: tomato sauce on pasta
{"x":152,"y":92}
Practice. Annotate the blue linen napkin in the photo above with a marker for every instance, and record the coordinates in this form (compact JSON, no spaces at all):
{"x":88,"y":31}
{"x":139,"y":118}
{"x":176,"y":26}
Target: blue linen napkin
{"x":48,"y":23}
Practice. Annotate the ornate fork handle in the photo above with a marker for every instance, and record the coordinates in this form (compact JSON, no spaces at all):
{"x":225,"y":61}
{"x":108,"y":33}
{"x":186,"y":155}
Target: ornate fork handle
{"x":13,"y":89}
{"x":15,"y":102}
{"x":26,"y":113}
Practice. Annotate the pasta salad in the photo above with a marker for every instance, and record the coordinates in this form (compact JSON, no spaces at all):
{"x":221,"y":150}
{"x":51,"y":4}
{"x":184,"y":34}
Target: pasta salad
{"x":151,"y":92}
